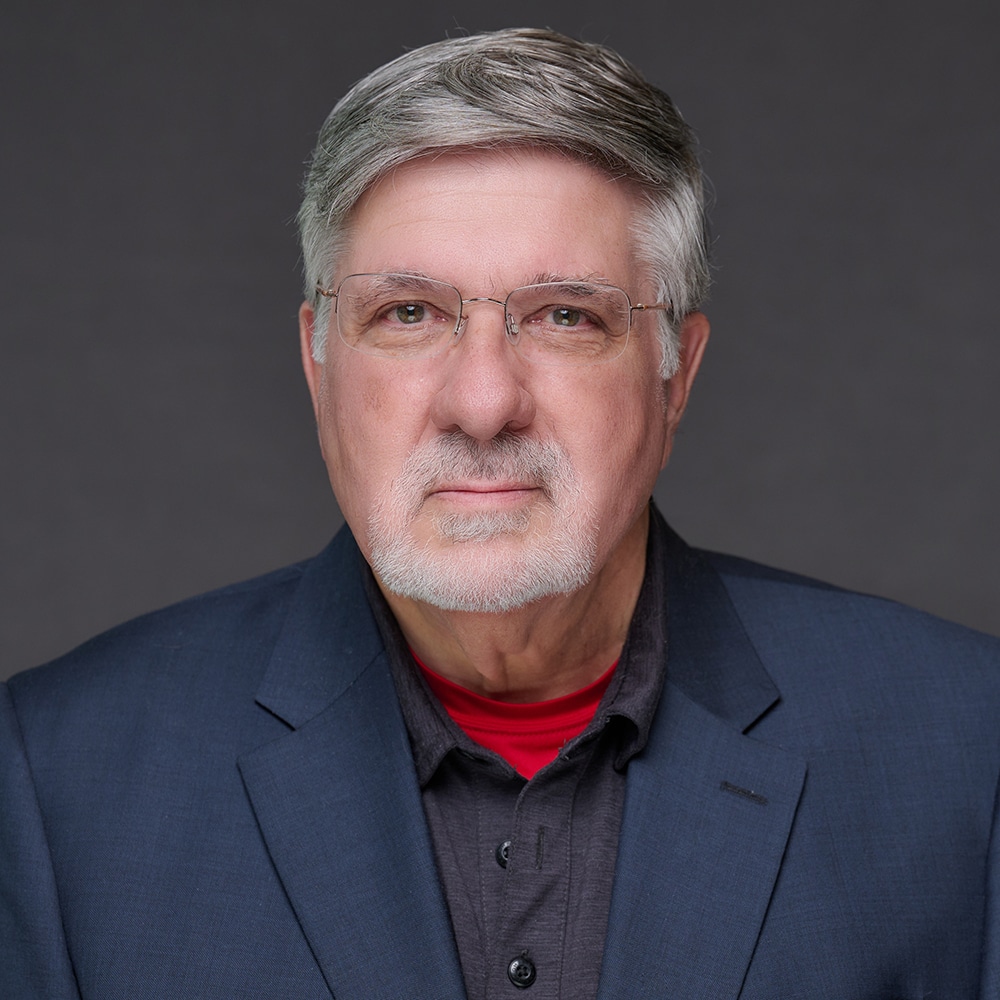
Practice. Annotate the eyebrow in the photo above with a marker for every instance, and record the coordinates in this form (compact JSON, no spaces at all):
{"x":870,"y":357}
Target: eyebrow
{"x":392,"y":279}
{"x":549,"y":277}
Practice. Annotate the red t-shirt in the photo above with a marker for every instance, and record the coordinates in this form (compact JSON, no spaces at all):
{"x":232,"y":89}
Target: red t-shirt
{"x":527,"y":735}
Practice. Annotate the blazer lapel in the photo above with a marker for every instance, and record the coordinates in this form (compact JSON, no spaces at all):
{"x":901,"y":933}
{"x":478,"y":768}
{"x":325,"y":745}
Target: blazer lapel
{"x":707,"y":816}
{"x":338,"y":804}
{"x":708,"y":810}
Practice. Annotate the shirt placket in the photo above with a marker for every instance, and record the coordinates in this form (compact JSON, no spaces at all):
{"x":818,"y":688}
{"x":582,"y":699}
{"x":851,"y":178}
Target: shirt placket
{"x":524,"y":955}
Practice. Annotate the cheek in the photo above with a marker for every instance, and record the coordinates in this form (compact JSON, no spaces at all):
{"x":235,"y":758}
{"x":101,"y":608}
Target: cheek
{"x":365,"y":430}
{"x":350,"y":406}
{"x":620,"y":446}
{"x":353,"y":405}
{"x":374,"y":396}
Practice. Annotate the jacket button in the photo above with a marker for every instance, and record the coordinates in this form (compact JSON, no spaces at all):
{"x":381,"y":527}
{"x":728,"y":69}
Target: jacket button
{"x":521,"y":972}
{"x":503,"y":853}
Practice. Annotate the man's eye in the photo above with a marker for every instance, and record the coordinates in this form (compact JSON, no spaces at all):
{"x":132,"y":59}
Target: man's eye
{"x":564,"y":316}
{"x":410,"y":312}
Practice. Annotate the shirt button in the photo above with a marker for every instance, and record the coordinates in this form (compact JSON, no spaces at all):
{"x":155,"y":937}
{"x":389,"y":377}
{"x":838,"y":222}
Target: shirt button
{"x":503,"y":853}
{"x":521,"y":972}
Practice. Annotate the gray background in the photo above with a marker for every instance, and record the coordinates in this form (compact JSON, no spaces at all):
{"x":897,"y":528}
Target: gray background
{"x":155,"y":434}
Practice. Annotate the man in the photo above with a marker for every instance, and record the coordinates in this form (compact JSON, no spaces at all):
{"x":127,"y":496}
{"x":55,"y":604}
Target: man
{"x":508,"y":735}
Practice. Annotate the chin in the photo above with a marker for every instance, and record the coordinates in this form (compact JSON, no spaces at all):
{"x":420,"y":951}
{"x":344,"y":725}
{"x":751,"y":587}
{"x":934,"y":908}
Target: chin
{"x":479,"y":568}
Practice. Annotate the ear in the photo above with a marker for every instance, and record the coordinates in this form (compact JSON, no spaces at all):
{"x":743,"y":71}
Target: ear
{"x":693,"y":338}
{"x":311,"y":367}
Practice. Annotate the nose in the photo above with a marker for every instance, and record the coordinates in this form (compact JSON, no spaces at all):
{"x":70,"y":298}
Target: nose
{"x":483,"y":389}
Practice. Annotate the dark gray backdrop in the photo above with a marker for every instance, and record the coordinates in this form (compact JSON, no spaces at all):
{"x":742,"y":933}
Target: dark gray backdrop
{"x":155,"y":434}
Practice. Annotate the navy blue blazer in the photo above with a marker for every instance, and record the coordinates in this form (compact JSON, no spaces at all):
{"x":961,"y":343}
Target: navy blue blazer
{"x":218,"y":800}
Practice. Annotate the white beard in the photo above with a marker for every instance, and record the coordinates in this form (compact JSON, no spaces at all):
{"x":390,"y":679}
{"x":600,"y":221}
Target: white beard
{"x":485,"y":561}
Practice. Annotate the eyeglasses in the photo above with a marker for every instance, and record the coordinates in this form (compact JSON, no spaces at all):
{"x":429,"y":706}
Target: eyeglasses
{"x":556,"y":323}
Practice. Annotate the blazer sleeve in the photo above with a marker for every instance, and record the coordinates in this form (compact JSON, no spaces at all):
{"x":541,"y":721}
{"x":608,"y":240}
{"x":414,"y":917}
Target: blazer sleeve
{"x":35,"y":962}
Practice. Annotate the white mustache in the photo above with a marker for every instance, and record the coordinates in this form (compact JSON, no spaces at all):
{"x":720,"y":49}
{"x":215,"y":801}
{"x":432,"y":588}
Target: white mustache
{"x":504,"y":458}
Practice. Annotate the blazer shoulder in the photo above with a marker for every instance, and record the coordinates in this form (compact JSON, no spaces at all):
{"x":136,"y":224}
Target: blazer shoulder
{"x":750,"y":581}
{"x":819,"y":641}
{"x":759,"y":587}
{"x":170,"y":648}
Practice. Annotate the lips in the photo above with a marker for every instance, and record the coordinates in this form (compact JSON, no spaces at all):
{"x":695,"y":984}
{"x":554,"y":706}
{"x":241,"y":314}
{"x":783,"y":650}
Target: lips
{"x":497,"y":486}
{"x":479,"y":494}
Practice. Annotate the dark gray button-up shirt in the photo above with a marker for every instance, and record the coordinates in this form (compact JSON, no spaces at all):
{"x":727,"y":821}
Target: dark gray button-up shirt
{"x":527,"y":866}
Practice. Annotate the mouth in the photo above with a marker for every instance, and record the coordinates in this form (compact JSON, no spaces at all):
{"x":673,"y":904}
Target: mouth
{"x":479,"y":494}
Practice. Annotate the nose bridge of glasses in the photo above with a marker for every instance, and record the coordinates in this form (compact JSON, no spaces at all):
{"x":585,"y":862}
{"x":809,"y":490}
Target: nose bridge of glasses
{"x":510,"y":323}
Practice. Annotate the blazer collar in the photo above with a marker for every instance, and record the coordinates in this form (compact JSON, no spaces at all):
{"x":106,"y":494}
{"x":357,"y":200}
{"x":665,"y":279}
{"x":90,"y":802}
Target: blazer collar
{"x":328,"y":640}
{"x":709,"y":655}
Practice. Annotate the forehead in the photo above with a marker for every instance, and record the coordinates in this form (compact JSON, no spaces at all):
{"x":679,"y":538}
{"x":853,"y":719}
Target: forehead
{"x":501,"y":217}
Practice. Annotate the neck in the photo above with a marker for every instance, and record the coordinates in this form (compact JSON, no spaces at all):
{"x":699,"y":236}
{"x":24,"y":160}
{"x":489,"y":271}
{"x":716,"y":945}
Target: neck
{"x":543,"y":650}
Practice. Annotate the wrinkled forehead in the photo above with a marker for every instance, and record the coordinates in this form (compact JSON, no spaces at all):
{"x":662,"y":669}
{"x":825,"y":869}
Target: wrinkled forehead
{"x":523,"y":201}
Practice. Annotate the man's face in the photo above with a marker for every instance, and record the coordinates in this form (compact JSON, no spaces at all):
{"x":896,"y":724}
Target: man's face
{"x":478,"y":480}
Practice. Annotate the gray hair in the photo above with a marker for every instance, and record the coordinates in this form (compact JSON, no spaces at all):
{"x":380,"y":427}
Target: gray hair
{"x":516,"y":87}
